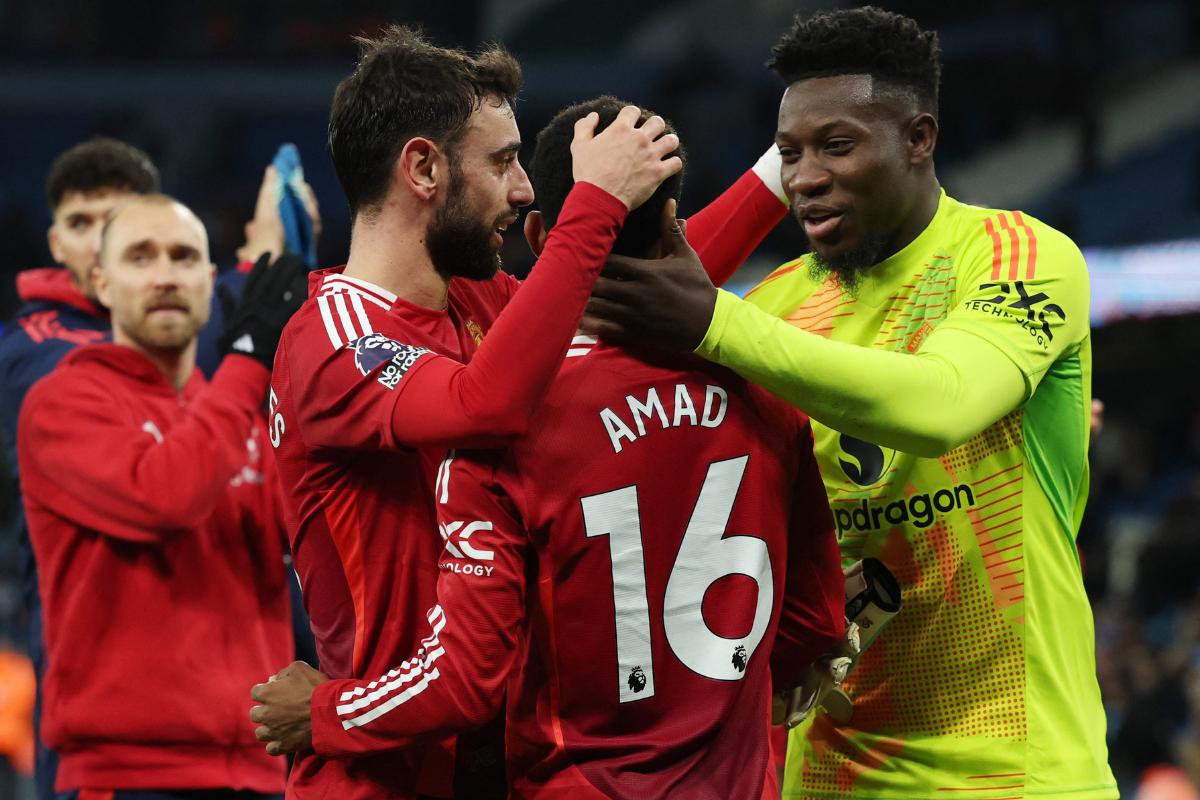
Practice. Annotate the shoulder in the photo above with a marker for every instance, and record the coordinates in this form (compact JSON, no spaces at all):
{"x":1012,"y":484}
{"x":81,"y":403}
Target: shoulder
{"x":339,"y":312}
{"x":787,"y":283}
{"x":75,"y":381}
{"x":1009,"y":244}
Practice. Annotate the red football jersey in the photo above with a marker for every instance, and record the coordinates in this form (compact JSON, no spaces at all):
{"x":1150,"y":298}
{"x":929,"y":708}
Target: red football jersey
{"x":627,"y":565}
{"x":366,"y":390}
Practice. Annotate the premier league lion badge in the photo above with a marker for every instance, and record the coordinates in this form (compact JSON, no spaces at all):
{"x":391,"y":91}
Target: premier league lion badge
{"x":374,"y":349}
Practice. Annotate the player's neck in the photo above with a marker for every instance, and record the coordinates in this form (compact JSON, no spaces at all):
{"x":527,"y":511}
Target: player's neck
{"x":397,"y":260}
{"x":918,"y":219}
{"x":175,"y":364}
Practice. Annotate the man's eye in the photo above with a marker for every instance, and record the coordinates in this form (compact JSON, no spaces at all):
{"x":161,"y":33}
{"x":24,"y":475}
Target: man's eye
{"x":79,"y":224}
{"x":789,"y":155}
{"x":839,"y":146}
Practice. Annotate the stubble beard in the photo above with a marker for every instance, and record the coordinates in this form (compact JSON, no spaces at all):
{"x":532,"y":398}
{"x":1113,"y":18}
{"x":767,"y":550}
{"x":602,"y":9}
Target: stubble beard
{"x":164,"y":338}
{"x":851,"y":266}
{"x":459,"y":244}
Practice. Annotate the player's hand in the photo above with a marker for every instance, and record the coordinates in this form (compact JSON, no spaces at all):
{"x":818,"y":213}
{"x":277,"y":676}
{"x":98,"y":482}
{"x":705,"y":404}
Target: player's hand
{"x":273,"y":292}
{"x":309,"y":198}
{"x":264,"y":232}
{"x":820,"y":686}
{"x":666,"y":302}
{"x":284,"y":710}
{"x":627,"y":160}
{"x":872,"y":600}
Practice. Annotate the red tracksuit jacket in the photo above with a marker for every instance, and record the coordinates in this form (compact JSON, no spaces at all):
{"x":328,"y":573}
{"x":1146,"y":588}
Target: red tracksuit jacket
{"x":154,"y":519}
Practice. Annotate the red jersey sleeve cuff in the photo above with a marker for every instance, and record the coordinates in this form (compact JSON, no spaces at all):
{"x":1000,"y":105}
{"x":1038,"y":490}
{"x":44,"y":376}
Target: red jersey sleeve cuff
{"x":326,"y":727}
{"x":597,"y":199}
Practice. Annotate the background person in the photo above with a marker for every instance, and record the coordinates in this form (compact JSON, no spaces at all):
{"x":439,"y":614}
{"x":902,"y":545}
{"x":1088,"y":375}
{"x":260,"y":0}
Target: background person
{"x":60,"y":312}
{"x":155,"y":491}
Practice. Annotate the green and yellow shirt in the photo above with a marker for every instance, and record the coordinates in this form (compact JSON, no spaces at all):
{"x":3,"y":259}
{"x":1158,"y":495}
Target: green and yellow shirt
{"x":984,"y":686}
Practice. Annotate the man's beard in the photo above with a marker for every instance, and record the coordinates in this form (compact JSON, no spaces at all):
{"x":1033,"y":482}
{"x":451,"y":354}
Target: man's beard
{"x":851,"y":266}
{"x":169,"y":340}
{"x":459,"y":245}
{"x":165,"y":338}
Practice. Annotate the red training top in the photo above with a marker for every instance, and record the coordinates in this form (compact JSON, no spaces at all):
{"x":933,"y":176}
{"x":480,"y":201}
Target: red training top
{"x":632,"y":556}
{"x":154,"y":518}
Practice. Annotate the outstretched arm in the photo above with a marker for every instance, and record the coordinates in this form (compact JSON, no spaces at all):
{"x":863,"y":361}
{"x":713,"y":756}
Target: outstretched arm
{"x":420,"y":398}
{"x":725,"y":232}
{"x":981,"y":361}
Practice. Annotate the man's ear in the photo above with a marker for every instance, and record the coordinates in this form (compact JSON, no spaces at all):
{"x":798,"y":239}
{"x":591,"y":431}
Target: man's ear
{"x":922,"y":139}
{"x":535,"y":232}
{"x":100,"y":284}
{"x":54,"y":245}
{"x":421,"y":167}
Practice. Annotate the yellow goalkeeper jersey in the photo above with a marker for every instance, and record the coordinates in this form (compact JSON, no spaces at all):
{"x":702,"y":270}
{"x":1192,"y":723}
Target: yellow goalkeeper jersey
{"x":984,"y":686}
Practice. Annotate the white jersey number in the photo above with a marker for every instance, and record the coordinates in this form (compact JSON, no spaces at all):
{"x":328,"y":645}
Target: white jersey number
{"x":705,"y":556}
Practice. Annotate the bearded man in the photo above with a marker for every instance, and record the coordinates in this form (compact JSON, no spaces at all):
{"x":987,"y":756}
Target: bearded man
{"x":153,"y":514}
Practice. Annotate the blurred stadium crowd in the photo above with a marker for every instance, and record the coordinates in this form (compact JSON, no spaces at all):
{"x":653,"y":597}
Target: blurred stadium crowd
{"x":1099,"y":103}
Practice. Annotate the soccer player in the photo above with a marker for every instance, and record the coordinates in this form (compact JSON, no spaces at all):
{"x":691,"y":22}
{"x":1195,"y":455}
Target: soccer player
{"x":369,"y":387}
{"x":369,"y":384}
{"x":943,"y":353}
{"x":60,"y":312}
{"x":634,"y":554}
{"x":153,"y":512}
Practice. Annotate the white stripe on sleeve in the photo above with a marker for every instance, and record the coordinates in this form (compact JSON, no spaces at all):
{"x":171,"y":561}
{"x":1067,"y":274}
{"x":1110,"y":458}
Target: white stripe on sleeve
{"x":327,"y":318}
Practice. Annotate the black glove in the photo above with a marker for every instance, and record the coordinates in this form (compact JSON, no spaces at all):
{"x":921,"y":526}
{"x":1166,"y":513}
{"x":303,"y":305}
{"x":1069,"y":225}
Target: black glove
{"x":273,"y":292}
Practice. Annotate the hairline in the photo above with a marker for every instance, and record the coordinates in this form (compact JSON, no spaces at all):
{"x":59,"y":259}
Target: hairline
{"x":149,"y":200}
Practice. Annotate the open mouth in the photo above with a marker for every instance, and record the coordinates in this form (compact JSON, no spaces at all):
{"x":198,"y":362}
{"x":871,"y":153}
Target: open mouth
{"x":819,"y":224}
{"x":499,"y":231}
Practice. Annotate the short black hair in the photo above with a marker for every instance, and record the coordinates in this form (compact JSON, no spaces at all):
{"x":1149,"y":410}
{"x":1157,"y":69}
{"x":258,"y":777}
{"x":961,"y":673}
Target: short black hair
{"x":404,"y":87}
{"x":550,"y":174}
{"x":889,"y":47}
{"x":100,"y":163}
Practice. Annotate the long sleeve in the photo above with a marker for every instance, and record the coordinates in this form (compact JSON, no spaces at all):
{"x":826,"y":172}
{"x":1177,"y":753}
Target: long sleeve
{"x":812,"y":619}
{"x":726,"y":231}
{"x":123,"y":479}
{"x":925,"y":404}
{"x":412,"y":397}
{"x":455,"y":681}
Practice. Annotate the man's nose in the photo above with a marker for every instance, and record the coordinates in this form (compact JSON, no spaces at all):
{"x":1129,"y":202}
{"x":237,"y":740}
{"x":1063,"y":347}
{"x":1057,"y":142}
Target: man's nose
{"x":164,"y":272}
{"x":806,"y":178}
{"x":521,"y":193}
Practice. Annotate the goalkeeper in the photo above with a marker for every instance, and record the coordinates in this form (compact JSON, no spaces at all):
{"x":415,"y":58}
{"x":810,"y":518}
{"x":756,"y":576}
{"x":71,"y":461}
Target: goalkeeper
{"x":943,"y":353}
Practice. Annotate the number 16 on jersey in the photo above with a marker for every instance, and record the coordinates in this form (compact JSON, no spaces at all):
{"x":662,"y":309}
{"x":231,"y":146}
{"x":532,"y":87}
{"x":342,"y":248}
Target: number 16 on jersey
{"x":705,"y":556}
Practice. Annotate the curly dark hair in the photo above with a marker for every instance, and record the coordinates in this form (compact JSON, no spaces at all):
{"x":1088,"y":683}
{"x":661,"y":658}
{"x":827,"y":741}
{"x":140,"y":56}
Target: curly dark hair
{"x":403,"y":87}
{"x":890,"y":47}
{"x":550,"y":174}
{"x":97,"y":164}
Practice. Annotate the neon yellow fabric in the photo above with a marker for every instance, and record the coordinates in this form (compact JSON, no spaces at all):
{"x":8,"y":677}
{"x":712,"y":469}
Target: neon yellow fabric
{"x":951,"y":402}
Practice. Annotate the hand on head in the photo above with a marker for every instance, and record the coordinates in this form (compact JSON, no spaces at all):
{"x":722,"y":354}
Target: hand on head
{"x":626,"y":160}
